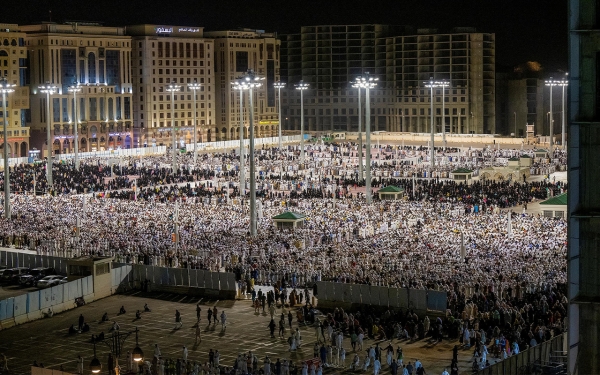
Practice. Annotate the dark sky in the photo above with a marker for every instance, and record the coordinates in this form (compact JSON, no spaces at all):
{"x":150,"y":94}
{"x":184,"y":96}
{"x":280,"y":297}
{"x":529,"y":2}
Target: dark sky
{"x":526,"y":30}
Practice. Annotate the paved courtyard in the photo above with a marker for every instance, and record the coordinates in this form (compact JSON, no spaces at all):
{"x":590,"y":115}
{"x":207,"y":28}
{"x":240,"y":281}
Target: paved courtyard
{"x":47,"y":341}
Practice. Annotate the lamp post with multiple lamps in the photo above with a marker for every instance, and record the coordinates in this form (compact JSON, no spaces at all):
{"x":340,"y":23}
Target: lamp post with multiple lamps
{"x":431,"y":84}
{"x":115,"y":344}
{"x":195,"y":87}
{"x":563,"y":83}
{"x":360,"y":151}
{"x":367,"y":82}
{"x":551,"y":83}
{"x":443,"y":85}
{"x":250,"y":81}
{"x":238,"y":84}
{"x":173,"y":88}
{"x":279,"y":86}
{"x":302,"y":86}
{"x":48,"y":89}
{"x":6,"y":88}
{"x":75,"y":88}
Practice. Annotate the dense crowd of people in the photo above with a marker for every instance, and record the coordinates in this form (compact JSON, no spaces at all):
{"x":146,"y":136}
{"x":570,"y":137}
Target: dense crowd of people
{"x":505,"y":290}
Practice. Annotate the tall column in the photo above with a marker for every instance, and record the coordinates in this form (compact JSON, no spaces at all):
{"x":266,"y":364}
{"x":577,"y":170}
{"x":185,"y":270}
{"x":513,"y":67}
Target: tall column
{"x":368,"y":131}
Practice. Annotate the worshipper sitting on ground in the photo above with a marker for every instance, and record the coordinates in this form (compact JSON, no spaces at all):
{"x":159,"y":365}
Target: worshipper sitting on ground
{"x":72,"y":329}
{"x":49,"y":313}
{"x":104,"y":317}
{"x":122,"y":310}
{"x":138,"y":315}
{"x":146,"y":308}
{"x":115,"y":326}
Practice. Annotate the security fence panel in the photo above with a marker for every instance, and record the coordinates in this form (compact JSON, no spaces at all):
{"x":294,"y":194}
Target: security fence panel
{"x":185,"y":276}
{"x":322,"y":290}
{"x":201,"y":278}
{"x":20,"y":305}
{"x":3,"y":304}
{"x":208,"y":281}
{"x":174,"y":274}
{"x":90,"y":286}
{"x":10,"y":308}
{"x":33,"y":301}
{"x":418,"y":299}
{"x":331,"y":291}
{"x":84,"y":286}
{"x":79,"y":289}
{"x":29,"y":261}
{"x":365,"y":294}
{"x":57,"y":294}
{"x":343,"y":292}
{"x":193,"y":278}
{"x":375,"y":295}
{"x":231,"y":284}
{"x":72,"y":290}
{"x":46,"y":298}
{"x":355,"y":296}
{"x":215,"y":280}
{"x":436,"y":300}
{"x":164,"y":276}
{"x":403,"y":298}
{"x":393,"y":297}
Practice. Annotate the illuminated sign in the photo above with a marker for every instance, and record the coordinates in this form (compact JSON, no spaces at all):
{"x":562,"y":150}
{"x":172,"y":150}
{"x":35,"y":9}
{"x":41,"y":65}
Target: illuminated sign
{"x":163,"y":30}
{"x":188,"y":30}
{"x":268,"y":122}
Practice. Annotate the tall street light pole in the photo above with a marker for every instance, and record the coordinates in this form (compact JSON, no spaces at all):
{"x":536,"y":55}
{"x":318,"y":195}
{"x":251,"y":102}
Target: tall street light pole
{"x":48,"y":90}
{"x":515,"y":124}
{"x":357,"y":85}
{"x":251,"y":81}
{"x":443,"y":85}
{"x":239,"y":85}
{"x":173,"y":88}
{"x":563,"y":83}
{"x":367,"y":82}
{"x":302,"y":86}
{"x":195,"y":87}
{"x":6,"y":88}
{"x":551,"y":83}
{"x":279,"y":86}
{"x":75,"y":89}
{"x":431,"y":85}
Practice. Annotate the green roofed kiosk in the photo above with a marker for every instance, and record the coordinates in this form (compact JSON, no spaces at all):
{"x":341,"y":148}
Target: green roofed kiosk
{"x":462,"y":175}
{"x":390,"y":192}
{"x":289,"y":220}
{"x":555,"y":206}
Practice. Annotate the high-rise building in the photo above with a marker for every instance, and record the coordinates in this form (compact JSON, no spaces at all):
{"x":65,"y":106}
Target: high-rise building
{"x":166,"y":55}
{"x":13,"y":67}
{"x":98,"y":59}
{"x":237,"y":51}
{"x":330,"y":57}
{"x":583,"y":208}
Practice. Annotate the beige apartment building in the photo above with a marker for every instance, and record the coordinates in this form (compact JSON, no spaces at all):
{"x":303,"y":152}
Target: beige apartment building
{"x":237,"y":51}
{"x":330,"y":57}
{"x":166,"y":55}
{"x":13,"y":67}
{"x":98,"y":60}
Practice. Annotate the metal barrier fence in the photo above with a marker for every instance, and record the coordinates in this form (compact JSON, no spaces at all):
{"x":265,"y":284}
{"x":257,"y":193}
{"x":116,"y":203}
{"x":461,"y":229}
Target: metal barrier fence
{"x":540,"y":355}
{"x":127,"y":275}
{"x":142,"y":151}
{"x":30,"y":306}
{"x":13,"y":259}
{"x":236,"y":143}
{"x":418,"y":299}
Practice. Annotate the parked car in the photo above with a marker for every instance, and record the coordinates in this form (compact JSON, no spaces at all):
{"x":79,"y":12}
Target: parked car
{"x":49,"y":281}
{"x":12,"y":275}
{"x":36,"y":274}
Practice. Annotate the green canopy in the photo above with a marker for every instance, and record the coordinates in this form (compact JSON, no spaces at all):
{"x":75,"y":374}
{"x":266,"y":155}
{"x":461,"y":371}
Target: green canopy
{"x":462,"y":170}
{"x":289,"y":215}
{"x":559,"y":200}
{"x":390,"y":189}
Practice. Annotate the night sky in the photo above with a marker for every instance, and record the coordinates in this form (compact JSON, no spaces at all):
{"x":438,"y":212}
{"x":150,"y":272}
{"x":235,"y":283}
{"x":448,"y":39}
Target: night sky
{"x":526,"y":30}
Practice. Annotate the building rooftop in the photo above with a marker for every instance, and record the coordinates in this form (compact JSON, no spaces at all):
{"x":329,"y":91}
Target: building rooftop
{"x":559,"y":200}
